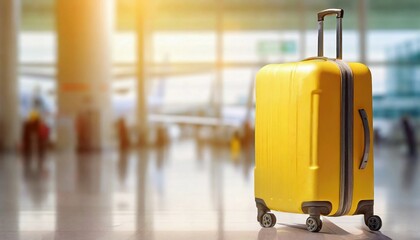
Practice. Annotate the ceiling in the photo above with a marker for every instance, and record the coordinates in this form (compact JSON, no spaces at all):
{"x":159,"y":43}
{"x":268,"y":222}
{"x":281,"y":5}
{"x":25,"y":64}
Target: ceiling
{"x":178,"y":15}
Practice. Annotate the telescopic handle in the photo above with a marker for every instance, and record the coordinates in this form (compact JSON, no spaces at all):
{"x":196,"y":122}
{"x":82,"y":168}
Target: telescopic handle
{"x":331,"y":11}
{"x":321,"y":15}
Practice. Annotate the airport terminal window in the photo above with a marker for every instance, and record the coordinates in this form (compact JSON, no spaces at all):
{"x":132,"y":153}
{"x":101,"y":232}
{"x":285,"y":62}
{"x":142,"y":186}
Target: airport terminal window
{"x":251,"y":34}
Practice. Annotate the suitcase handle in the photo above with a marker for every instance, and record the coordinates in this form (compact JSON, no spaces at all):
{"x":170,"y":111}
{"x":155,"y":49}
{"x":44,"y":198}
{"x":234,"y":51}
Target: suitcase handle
{"x":339,"y":45}
{"x":366,"y":148}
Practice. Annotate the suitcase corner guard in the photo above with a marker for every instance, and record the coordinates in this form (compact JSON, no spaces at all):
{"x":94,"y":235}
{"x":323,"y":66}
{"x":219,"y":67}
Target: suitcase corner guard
{"x":364,"y":207}
{"x":262,"y":208}
{"x":317,"y":207}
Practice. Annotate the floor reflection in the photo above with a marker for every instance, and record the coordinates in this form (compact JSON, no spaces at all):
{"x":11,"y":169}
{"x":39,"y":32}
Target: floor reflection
{"x":186,"y":190}
{"x":122,"y":166}
{"x":329,"y":231}
{"x":143,"y":224}
{"x":410,"y":171}
{"x":35,"y":179}
{"x":9,"y":197}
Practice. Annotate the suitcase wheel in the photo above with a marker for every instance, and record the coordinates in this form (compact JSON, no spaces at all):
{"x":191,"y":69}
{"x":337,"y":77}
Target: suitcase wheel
{"x":268,"y":220}
{"x":313,"y":224}
{"x":374,"y":223}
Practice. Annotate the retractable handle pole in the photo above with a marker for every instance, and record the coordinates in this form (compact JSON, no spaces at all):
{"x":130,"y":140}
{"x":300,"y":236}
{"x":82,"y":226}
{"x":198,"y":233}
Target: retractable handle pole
{"x":339,"y":13}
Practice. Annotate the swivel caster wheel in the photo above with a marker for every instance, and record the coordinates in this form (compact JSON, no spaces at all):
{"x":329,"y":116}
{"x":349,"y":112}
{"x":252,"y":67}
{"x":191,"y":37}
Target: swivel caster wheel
{"x":313,"y":224}
{"x":374,"y":223}
{"x":268,"y":220}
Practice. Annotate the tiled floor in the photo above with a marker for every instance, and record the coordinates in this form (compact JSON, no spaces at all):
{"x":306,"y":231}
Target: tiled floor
{"x":184,"y":191}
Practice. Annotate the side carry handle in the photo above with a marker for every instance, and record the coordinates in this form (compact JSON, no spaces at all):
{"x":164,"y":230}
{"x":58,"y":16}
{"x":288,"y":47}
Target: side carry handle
{"x":321,"y":15}
{"x":366,"y":130}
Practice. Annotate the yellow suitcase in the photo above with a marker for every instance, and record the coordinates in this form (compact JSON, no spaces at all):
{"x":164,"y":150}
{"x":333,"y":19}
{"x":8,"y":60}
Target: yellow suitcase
{"x":313,"y":138}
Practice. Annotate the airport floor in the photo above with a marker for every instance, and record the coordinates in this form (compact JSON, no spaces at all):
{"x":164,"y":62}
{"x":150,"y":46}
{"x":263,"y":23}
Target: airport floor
{"x":187,"y":190}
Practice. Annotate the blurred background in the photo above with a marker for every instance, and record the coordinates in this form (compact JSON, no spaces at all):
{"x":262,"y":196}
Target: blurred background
{"x":135,"y":119}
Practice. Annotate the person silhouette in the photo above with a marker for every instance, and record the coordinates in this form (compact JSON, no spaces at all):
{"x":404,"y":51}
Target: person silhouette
{"x":410,"y":136}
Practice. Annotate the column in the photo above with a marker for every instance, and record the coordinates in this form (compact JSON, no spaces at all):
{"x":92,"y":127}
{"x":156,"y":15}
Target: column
{"x":362,"y":5}
{"x":84,"y":72}
{"x":302,"y":29}
{"x":9,"y":100}
{"x":143,"y":14}
{"x":218,"y":90}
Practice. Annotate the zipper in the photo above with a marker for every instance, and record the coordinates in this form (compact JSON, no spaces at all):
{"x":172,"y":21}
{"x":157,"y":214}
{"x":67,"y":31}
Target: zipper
{"x":346,"y":138}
